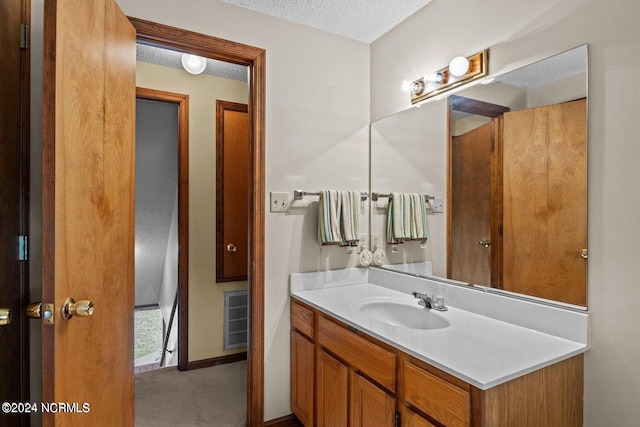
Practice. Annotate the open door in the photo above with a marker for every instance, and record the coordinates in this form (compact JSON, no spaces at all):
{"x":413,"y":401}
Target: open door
{"x":14,"y":189}
{"x":472,"y":165}
{"x":88,"y":213}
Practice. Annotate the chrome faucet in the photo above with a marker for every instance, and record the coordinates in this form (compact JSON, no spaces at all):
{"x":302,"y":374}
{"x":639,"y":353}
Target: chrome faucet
{"x":430,"y":301}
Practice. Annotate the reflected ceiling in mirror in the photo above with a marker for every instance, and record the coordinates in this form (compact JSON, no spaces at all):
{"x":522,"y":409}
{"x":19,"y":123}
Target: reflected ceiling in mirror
{"x":514,"y":182}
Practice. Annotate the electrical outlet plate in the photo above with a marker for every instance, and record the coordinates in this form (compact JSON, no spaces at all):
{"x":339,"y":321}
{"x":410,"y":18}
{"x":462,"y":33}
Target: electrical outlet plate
{"x":279,"y":201}
{"x":437,"y":204}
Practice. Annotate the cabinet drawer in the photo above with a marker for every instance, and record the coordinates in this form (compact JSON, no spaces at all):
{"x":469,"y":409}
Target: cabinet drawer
{"x":442,"y":400}
{"x":363,"y":355}
{"x":302,"y":319}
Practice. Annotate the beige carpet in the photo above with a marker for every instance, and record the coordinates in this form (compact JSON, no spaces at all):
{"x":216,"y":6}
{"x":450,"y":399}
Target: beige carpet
{"x":215,"y":397}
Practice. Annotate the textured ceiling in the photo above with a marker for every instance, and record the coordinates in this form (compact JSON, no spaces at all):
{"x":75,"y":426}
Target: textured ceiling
{"x":170,"y":58}
{"x":361,"y":20}
{"x":557,"y":67}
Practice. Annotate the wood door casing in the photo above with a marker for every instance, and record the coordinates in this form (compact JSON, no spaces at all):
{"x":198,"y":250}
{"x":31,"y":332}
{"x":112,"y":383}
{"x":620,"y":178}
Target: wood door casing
{"x":14,"y":191}
{"x":232,"y":191}
{"x":255,"y":59}
{"x":545,"y":202}
{"x":88,"y":209}
{"x":182,"y":100}
{"x":472,"y":159}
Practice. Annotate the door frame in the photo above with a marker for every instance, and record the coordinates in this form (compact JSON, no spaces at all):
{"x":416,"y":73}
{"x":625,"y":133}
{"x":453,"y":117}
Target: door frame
{"x":494,"y":111}
{"x":255,"y":59}
{"x":182,"y":102}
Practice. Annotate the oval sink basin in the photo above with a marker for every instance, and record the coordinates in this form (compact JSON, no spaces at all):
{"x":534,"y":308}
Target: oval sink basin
{"x":401,"y":314}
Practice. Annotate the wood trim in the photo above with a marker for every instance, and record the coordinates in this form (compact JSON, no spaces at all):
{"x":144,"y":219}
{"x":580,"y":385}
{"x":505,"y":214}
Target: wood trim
{"x":486,"y":109}
{"x":48,"y":197}
{"x":183,"y":213}
{"x":254,"y":58}
{"x":215,"y":361}
{"x":25,"y":180}
{"x":286,"y":421}
{"x":221,"y":107}
{"x":496,"y":204}
{"x":473,"y":106}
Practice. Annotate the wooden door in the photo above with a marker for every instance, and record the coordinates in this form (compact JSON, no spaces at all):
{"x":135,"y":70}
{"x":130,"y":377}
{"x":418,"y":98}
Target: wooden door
{"x":370,"y":405}
{"x":331,"y":391}
{"x":302,"y":373}
{"x":232,"y":191}
{"x":545,"y":202}
{"x":14,"y":186}
{"x":471,"y":209}
{"x":88,"y":210}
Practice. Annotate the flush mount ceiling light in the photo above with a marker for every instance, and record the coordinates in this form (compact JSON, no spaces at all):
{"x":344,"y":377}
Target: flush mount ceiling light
{"x":460,"y":70}
{"x":194,"y":64}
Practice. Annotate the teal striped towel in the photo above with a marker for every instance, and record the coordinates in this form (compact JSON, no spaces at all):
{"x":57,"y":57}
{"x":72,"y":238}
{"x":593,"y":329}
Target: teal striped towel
{"x":350,"y":218}
{"x":329,"y":210}
{"x":406,"y":218}
{"x":339,"y":218}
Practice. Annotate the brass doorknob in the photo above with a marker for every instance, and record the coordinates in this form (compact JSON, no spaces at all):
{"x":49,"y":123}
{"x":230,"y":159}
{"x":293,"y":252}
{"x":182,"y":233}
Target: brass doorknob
{"x":70,"y":308}
{"x":584,"y":254}
{"x":231,"y":247}
{"x":5,"y":316}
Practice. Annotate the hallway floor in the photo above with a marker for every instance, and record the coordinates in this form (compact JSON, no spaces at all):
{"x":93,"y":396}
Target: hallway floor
{"x":213,"y":397}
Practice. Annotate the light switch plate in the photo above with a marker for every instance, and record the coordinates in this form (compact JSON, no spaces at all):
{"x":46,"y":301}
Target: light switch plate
{"x":437,"y":204}
{"x":279,"y":201}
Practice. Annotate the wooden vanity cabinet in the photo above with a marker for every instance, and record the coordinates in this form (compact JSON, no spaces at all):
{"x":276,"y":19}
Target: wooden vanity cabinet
{"x":343,"y":377}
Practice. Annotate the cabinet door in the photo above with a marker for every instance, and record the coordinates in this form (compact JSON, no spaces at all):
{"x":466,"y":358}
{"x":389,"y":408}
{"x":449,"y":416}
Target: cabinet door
{"x":332,"y":397}
{"x":302,"y":372}
{"x":408,"y":418}
{"x":370,"y":405}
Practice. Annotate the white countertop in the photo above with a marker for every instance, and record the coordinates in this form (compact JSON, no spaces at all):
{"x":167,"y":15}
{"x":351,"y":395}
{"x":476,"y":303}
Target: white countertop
{"x":478,"y":349}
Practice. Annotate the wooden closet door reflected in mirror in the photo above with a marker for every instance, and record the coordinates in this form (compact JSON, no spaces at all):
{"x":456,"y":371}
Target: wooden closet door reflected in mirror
{"x":232,"y":196}
{"x":545,"y":201}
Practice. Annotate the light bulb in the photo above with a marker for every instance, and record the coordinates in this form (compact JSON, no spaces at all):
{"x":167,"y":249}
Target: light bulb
{"x":459,"y":66}
{"x":406,"y":86}
{"x":434,"y":78}
{"x":193,"y":64}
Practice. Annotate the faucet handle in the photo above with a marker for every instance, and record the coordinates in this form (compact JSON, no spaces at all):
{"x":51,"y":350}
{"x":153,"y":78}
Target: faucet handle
{"x":438,"y":303}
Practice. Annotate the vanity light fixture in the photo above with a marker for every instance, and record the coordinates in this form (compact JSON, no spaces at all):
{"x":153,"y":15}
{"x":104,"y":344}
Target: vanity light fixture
{"x":461,"y":70}
{"x":193,"y":64}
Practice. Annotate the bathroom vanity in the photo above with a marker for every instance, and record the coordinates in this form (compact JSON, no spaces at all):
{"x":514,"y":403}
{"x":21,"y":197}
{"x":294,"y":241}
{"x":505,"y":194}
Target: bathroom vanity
{"x":364,"y":353}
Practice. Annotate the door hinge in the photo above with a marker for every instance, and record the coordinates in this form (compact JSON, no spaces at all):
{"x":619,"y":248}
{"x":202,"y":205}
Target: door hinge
{"x":23,"y":248}
{"x":397,"y":419}
{"x":24,"y":36}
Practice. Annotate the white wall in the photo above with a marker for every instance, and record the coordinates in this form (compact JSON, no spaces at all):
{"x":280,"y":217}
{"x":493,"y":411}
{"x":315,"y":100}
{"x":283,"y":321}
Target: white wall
{"x":317,"y":117}
{"x":516,"y":30}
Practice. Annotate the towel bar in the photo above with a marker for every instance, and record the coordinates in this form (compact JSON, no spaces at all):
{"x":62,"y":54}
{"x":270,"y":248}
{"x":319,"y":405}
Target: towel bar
{"x":376,"y":196}
{"x":298,"y":195}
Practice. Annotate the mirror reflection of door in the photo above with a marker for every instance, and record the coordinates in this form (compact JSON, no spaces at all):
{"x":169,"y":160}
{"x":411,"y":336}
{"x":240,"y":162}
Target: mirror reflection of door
{"x":475,"y":215}
{"x":545,"y":201}
{"x":471,"y":183}
{"x":521,"y":179}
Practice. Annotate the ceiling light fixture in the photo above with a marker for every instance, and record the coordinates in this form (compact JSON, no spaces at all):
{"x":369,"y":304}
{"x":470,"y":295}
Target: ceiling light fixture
{"x":193,"y":64}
